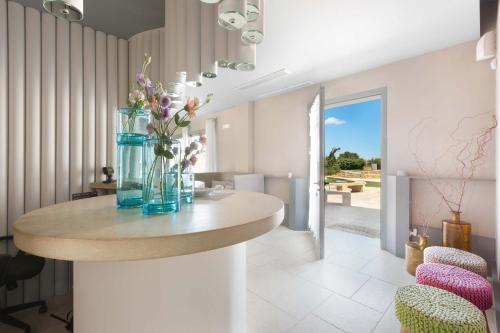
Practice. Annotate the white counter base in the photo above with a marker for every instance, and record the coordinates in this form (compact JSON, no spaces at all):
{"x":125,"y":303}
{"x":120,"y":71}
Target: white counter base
{"x":202,"y":292}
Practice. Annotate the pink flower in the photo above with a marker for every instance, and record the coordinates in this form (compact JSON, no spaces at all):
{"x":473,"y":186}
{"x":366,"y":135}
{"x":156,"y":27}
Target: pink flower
{"x":193,"y":145}
{"x":139,"y":77}
{"x":193,"y":160}
{"x":165,"y":113}
{"x":164,"y":101}
{"x":203,"y":139}
{"x":151,"y":128}
{"x":192,"y":106}
{"x":187,"y":151}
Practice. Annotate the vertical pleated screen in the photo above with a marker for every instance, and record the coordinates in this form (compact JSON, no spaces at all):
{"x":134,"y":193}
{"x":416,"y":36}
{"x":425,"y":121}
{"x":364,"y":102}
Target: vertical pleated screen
{"x":60,"y":86}
{"x":151,"y":42}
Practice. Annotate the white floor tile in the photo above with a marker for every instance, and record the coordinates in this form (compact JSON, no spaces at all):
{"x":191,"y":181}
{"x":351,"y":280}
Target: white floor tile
{"x":338,"y":279}
{"x":389,"y":323}
{"x":348,"y":315}
{"x":313,"y":324}
{"x":301,"y":301}
{"x":348,"y":260}
{"x":376,"y":294}
{"x":263,"y":317}
{"x":389,"y":268}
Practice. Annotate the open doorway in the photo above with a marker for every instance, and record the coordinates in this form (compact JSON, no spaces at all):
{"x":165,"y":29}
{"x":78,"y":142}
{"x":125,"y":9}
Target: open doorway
{"x":353,"y":157}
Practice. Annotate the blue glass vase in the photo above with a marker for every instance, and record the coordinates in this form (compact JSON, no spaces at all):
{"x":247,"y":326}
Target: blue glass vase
{"x":161,"y":182}
{"x":187,"y":186}
{"x":131,"y":132}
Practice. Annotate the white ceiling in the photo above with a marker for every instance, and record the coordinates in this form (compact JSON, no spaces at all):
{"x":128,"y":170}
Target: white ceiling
{"x":319,"y":40}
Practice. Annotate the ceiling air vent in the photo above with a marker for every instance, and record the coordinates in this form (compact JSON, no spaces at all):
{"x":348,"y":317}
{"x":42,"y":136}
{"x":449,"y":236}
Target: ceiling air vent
{"x":287,"y":89}
{"x":264,"y":79}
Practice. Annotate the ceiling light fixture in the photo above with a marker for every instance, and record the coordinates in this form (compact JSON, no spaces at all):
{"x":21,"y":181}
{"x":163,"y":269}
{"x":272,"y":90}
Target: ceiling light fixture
{"x":253,"y":31}
{"x":253,"y":10}
{"x":71,"y":10}
{"x":232,"y":14}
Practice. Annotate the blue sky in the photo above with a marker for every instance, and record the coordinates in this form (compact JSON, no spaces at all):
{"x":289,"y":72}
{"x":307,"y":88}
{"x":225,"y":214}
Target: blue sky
{"x":354,"y":128}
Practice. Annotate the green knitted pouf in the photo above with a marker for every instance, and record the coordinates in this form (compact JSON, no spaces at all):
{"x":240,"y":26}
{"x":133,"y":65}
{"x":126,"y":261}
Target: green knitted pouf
{"x":424,"y":309}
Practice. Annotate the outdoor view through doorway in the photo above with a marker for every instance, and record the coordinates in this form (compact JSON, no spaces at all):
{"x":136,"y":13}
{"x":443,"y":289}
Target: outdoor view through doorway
{"x":352,"y":166}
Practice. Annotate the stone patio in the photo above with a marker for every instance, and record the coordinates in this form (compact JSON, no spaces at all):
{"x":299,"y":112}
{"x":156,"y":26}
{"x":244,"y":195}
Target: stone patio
{"x":362,"y":217}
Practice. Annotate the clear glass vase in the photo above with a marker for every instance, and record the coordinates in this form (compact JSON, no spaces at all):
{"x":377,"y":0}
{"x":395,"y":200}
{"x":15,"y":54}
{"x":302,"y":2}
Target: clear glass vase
{"x":161,"y":191}
{"x":130,"y":133}
{"x":187,"y":186}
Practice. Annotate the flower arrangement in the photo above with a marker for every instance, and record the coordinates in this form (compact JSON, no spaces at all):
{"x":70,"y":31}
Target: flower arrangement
{"x":165,"y":121}
{"x":190,"y":153}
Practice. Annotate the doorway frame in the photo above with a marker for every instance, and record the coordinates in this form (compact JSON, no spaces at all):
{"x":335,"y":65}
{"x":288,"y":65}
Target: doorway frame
{"x":382,"y":93}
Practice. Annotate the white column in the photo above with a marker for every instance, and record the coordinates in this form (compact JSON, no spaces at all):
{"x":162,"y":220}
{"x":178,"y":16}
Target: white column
{"x":62,"y":111}
{"x":48,"y":139}
{"x":122,"y":72}
{"x":148,"y":48}
{"x":3,"y":116}
{"x":32,"y":98}
{"x":62,"y":136}
{"x":76,"y":105}
{"x":203,"y":292}
{"x":155,"y":55}
{"x":101,"y":105}
{"x":88,"y":107}
{"x":112,"y":64}
{"x":16,"y":124}
{"x":132,"y":70}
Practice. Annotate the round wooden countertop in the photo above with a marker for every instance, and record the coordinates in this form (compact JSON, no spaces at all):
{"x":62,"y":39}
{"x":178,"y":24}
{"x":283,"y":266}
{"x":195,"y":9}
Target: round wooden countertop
{"x":94,"y":230}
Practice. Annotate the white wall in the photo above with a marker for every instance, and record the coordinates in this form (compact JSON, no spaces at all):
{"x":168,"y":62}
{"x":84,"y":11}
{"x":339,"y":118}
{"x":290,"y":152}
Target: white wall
{"x":47,"y":112}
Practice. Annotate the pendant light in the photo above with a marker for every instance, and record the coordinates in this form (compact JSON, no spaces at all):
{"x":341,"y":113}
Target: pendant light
{"x":253,"y":32}
{"x":242,"y":56}
{"x":232,"y":14}
{"x":208,"y":63}
{"x":193,"y":44}
{"x":220,"y":43}
{"x":253,"y":10}
{"x":247,"y":54}
{"x":71,"y":10}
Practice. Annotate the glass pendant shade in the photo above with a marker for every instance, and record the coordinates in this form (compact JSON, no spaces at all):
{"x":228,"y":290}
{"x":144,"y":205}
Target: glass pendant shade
{"x":208,"y":63}
{"x":253,"y":10}
{"x":253,"y":32}
{"x":247,"y":54}
{"x":170,"y":38}
{"x":71,"y":10}
{"x":232,"y":14}
{"x":220,"y":43}
{"x":193,"y":44}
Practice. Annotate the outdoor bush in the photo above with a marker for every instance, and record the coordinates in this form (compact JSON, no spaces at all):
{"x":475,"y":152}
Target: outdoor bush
{"x":351,"y":163}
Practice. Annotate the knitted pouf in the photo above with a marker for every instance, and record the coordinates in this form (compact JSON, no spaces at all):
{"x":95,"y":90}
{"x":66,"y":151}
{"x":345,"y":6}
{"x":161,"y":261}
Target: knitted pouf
{"x":425,"y":309}
{"x":459,"y":281}
{"x":456,"y":257}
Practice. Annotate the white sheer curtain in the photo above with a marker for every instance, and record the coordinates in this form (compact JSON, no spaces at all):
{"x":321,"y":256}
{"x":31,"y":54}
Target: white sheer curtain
{"x":211,"y":133}
{"x":314,"y":168}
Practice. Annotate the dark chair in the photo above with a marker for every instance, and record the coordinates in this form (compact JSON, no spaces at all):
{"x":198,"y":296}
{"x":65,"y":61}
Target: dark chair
{"x":22,"y":266}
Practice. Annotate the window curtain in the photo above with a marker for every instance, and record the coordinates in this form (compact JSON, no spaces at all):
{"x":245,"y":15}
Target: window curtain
{"x":211,"y":133}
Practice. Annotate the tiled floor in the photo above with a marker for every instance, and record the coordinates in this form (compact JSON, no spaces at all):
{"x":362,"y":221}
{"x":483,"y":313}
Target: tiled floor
{"x":352,"y":290}
{"x":289,"y":291}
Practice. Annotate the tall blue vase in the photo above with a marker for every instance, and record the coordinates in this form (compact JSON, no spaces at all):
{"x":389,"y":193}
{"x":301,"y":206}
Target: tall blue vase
{"x":161,"y":181}
{"x":131,"y":132}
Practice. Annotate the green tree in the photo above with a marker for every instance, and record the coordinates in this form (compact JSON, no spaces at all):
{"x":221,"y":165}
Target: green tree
{"x":350,"y":161}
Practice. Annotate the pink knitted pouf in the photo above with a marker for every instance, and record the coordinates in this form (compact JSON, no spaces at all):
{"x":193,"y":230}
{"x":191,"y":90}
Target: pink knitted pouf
{"x":459,"y":281}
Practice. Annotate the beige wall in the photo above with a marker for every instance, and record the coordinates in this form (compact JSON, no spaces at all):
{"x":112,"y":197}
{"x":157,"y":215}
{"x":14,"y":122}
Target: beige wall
{"x":445,"y":86}
{"x":234,"y":144}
